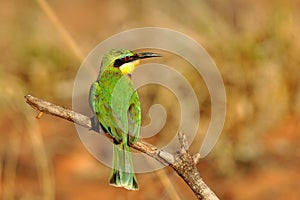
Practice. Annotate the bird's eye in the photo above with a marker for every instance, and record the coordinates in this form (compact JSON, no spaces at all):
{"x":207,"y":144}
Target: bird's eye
{"x":118,"y":63}
{"x":126,"y":59}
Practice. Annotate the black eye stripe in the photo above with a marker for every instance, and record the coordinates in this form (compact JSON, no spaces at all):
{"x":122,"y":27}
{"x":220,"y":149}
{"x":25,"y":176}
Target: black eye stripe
{"x":118,"y":63}
{"x":126,"y":59}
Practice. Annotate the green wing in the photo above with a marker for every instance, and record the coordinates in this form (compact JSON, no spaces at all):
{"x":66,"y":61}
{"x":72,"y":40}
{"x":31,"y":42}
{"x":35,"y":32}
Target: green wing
{"x":94,"y":97}
{"x":103,"y":111}
{"x":117,"y":108}
{"x":134,"y":118}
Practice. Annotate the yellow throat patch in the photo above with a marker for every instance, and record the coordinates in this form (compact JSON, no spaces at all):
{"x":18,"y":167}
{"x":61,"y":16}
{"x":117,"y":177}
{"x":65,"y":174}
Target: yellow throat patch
{"x":128,"y":68}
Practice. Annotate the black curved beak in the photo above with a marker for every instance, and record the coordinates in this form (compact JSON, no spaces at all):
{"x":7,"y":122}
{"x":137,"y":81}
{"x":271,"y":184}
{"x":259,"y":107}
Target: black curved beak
{"x":144,"y":55}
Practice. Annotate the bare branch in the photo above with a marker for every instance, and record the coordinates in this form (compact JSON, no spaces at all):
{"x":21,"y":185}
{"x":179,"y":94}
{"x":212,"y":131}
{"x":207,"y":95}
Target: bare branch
{"x":184,"y":165}
{"x":184,"y":146}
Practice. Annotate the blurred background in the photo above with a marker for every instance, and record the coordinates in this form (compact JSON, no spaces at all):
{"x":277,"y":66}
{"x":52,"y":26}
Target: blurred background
{"x":255,"y":46}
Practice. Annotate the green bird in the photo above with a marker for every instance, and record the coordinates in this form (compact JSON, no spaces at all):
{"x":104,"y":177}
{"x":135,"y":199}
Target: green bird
{"x":116,"y":107}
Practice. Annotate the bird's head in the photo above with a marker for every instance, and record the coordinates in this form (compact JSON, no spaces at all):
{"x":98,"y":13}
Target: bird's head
{"x":127,"y":61}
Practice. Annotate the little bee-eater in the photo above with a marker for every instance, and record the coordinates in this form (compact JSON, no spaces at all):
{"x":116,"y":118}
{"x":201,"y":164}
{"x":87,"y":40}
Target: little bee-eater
{"x":116,"y":106}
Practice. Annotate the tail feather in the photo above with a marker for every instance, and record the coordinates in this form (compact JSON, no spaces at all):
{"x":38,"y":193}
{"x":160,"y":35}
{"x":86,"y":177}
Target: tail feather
{"x":122,"y":173}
